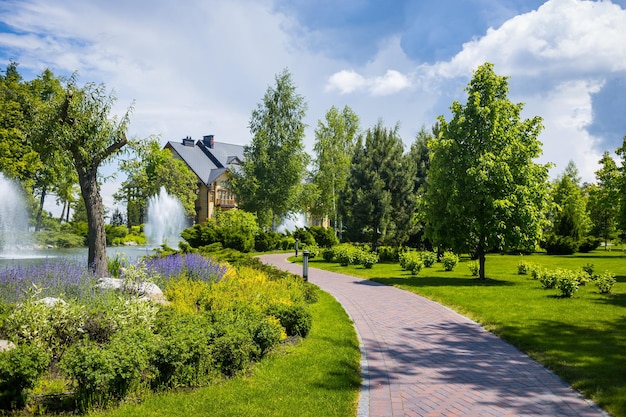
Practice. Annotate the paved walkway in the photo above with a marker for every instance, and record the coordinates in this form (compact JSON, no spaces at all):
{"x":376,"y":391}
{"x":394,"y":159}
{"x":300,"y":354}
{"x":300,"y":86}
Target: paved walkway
{"x":423,"y":359}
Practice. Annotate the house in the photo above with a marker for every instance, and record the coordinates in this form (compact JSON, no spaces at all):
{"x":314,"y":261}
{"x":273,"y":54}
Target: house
{"x":210,"y":161}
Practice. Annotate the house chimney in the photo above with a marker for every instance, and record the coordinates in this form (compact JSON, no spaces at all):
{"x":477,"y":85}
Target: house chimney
{"x":187,"y":141}
{"x":209,"y":141}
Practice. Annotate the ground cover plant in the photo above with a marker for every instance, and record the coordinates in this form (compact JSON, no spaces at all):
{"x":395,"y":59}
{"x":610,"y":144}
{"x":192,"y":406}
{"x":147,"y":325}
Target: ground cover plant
{"x":582,"y":338}
{"x":93,"y":347}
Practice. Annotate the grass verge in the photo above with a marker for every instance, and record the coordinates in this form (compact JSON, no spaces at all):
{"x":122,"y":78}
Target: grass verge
{"x":582,"y":339}
{"x":319,"y":376}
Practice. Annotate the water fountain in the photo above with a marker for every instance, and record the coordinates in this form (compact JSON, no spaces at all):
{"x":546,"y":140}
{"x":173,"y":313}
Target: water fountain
{"x":13,"y":219}
{"x":165,"y":220}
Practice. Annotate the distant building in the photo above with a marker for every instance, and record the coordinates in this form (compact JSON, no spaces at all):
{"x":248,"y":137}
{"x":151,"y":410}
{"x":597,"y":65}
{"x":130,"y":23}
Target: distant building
{"x":210,"y":161}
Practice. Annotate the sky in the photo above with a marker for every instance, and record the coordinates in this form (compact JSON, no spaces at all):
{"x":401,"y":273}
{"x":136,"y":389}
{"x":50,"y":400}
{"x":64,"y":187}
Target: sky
{"x":199,"y":67}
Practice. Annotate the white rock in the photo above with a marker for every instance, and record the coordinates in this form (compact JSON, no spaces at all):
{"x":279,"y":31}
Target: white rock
{"x":6,"y":345}
{"x":51,"y":301}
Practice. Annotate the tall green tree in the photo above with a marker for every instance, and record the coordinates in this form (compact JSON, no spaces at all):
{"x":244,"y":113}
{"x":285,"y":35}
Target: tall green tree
{"x":569,"y":217}
{"x":78,"y":124}
{"x":374,"y":202}
{"x":148,"y":168}
{"x":269,"y":180}
{"x":621,"y":214}
{"x":604,"y":196}
{"x":335,"y":141}
{"x":484,"y":189}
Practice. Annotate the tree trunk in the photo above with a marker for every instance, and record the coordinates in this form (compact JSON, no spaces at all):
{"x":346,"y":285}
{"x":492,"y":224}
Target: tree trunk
{"x":65,"y":204}
{"x":96,"y":236}
{"x":480,"y":251}
{"x":42,"y":200}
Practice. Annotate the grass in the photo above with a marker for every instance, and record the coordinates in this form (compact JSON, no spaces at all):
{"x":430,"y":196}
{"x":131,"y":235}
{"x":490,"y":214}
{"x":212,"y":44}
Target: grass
{"x":582,"y":339}
{"x":319,"y":376}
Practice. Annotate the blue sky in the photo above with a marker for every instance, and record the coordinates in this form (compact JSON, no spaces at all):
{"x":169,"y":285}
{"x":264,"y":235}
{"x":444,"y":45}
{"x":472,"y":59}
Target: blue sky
{"x":200,"y":67}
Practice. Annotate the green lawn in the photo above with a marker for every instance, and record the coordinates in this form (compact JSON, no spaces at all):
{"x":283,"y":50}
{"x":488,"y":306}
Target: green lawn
{"x":320,"y":376}
{"x":583,"y":339}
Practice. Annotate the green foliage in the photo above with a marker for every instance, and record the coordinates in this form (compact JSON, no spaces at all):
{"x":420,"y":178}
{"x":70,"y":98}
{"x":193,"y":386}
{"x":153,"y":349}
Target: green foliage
{"x":324,"y":236}
{"x":411,"y":261}
{"x":328,"y":254}
{"x":588,"y":268}
{"x":304,"y":236}
{"x":201,"y":234}
{"x":484,"y":189}
{"x":559,"y":245}
{"x":368,"y":259}
{"x":115,"y":232}
{"x":269,"y":180}
{"x":388,"y":253}
{"x":474,"y":268}
{"x":313,"y":249}
{"x":234,"y":350}
{"x":379,"y":203}
{"x":587,"y":244}
{"x":522,"y":268}
{"x":294,"y":318}
{"x":237,"y":228}
{"x":345,"y":254}
{"x":549,"y":278}
{"x":429,"y":258}
{"x":334,"y":146}
{"x":449,"y":261}
{"x":267,"y":241}
{"x":567,"y":283}
{"x":20,"y":368}
{"x":605,"y":282}
{"x":184,"y":353}
{"x":61,"y":239}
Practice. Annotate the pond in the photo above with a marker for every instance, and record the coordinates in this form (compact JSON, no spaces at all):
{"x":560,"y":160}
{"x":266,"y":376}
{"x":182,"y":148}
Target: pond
{"x":34,"y":256}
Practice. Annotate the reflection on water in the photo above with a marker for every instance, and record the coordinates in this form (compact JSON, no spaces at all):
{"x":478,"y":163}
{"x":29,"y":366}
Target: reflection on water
{"x":30,"y":256}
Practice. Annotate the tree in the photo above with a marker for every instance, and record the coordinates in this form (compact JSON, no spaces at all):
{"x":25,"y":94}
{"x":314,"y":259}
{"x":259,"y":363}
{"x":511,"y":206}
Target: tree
{"x":569,"y":217}
{"x":148,"y":168}
{"x":603,"y":203}
{"x":334,"y":147}
{"x":379,"y":186}
{"x":269,"y":180}
{"x":484,"y":191}
{"x":77,"y":124}
{"x":621,"y":215}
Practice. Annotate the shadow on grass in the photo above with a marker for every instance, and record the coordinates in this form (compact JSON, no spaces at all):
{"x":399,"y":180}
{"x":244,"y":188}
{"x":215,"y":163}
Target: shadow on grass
{"x":425,"y":281}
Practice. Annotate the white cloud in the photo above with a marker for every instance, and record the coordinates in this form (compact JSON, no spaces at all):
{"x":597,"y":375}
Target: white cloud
{"x":392,"y":82}
{"x":346,"y":81}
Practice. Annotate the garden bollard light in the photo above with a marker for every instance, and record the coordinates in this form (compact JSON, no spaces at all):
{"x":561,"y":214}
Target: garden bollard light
{"x":296,"y":247}
{"x":305,"y":265}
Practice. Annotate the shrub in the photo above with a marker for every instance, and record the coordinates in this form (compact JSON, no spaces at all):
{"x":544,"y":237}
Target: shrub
{"x":313,"y":249}
{"x":294,"y":318}
{"x":548,"y":278}
{"x":605,"y":282}
{"x":328,"y":254}
{"x":267,"y":333}
{"x":588,"y":268}
{"x":411,"y":261}
{"x":201,"y":234}
{"x":266,"y":241}
{"x":588,"y":244}
{"x":184,"y":353}
{"x":567,"y":283}
{"x":324,"y":236}
{"x":429,"y":259}
{"x":233,"y":350}
{"x":115,"y":233}
{"x":388,"y":253}
{"x":559,"y":245}
{"x":474,"y":268}
{"x":367,"y":259}
{"x":304,"y":236}
{"x":522,"y":268}
{"x":20,"y":368}
{"x":287,"y":243}
{"x":535,"y":271}
{"x":449,"y":261}
{"x":345,"y":253}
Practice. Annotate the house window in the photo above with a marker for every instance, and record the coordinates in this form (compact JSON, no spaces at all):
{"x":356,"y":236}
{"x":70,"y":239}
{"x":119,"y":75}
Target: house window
{"x":225,"y":198}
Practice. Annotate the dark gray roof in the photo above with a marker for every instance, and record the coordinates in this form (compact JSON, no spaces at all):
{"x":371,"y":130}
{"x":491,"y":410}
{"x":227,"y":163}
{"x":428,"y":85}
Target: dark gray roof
{"x":208,"y":163}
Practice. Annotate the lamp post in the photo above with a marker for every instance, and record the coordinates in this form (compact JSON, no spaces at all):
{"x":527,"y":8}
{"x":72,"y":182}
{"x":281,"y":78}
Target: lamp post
{"x":305,"y":265}
{"x":296,"y":246}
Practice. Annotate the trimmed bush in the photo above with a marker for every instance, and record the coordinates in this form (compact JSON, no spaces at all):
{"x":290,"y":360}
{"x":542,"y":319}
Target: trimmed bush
{"x":313,"y":249}
{"x":328,"y":254}
{"x":605,"y":282}
{"x":522,"y":268}
{"x":345,"y":254}
{"x":267,"y":241}
{"x":559,"y":245}
{"x":567,"y":283}
{"x":588,"y":244}
{"x":548,"y":279}
{"x":411,"y":261}
{"x":234,"y":350}
{"x":388,"y":253}
{"x":367,"y":259}
{"x":429,"y":259}
{"x":449,"y":261}
{"x":324,"y":236}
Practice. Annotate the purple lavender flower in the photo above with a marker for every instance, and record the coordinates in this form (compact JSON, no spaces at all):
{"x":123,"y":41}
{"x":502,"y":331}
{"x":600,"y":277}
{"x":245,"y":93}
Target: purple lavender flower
{"x":191,"y":265}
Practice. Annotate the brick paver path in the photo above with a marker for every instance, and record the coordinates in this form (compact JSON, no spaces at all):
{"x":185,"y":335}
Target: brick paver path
{"x":422,"y":359}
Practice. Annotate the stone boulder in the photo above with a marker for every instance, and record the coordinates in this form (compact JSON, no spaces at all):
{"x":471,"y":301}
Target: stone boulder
{"x":6,"y":345}
{"x":148,"y":291}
